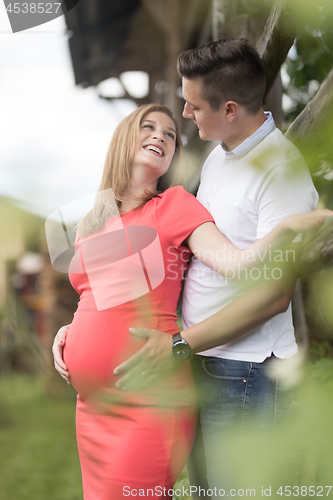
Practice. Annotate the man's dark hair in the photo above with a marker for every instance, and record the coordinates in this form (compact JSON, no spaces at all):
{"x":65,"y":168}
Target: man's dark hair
{"x":231,"y":70}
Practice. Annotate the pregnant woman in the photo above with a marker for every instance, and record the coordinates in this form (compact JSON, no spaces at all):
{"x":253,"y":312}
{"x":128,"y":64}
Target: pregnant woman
{"x":132,"y":250}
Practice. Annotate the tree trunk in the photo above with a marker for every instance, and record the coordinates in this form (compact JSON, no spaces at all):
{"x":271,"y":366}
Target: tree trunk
{"x":299,"y":318}
{"x":227,"y":23}
{"x":311,"y":125}
{"x":310,"y":131}
{"x":275,"y":42}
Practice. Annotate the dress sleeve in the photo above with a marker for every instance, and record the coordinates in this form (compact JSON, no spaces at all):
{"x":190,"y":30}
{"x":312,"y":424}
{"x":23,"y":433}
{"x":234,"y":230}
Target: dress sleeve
{"x":178,"y":213}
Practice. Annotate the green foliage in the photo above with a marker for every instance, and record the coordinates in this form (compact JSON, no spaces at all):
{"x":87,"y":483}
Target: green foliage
{"x":295,"y":456}
{"x":38,"y":455}
{"x":183,"y":485}
{"x":319,"y":350}
{"x":307,"y":66}
{"x":312,"y":59}
{"x":322,"y":370}
{"x":319,"y":313}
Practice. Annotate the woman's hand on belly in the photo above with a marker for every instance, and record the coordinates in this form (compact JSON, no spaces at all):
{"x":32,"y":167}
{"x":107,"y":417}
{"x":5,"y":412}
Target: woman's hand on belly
{"x":57,"y":351}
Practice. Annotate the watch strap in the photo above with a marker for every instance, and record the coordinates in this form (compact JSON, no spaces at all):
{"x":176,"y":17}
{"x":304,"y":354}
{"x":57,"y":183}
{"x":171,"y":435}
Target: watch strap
{"x":176,"y":337}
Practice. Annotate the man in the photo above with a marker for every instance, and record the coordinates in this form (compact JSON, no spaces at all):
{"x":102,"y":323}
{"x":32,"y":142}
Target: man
{"x":250,"y":182}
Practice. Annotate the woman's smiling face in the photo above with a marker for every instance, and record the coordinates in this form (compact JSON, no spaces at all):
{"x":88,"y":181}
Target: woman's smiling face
{"x":157,"y":143}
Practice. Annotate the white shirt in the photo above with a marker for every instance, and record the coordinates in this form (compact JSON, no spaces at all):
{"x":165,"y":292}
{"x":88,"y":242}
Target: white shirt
{"x":249,"y":191}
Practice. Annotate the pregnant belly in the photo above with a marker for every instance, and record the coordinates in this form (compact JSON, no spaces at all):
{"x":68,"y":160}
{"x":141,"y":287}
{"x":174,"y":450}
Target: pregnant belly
{"x":95,"y":345}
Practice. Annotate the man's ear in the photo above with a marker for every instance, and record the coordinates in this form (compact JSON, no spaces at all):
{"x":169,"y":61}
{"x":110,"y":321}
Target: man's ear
{"x":231,"y":109}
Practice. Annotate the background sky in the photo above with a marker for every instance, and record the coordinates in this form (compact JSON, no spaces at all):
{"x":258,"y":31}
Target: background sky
{"x":53,"y":135}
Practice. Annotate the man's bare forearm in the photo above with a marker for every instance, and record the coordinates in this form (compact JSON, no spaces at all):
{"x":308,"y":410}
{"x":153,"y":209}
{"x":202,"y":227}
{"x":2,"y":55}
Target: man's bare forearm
{"x":246,"y":312}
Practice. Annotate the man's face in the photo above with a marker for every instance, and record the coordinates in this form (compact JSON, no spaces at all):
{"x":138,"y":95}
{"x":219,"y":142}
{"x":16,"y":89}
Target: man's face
{"x":211,"y":124}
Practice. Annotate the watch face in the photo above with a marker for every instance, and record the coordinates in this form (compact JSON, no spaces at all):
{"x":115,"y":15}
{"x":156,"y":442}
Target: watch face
{"x":182,"y":351}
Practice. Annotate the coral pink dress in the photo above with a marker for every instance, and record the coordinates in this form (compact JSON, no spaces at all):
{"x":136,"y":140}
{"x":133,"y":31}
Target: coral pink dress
{"x":129,"y":274}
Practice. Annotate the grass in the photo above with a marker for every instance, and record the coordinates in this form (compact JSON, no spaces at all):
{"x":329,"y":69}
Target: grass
{"x":38,"y":454}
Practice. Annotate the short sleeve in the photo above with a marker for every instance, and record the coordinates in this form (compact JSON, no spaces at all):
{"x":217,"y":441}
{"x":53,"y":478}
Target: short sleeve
{"x":286,"y":190}
{"x":178,"y":213}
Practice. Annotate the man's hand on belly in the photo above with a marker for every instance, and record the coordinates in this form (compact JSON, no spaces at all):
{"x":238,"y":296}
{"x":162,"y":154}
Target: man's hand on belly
{"x":151,"y":363}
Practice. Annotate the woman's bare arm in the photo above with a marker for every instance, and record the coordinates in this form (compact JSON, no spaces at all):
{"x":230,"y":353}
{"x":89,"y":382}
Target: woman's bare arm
{"x":212,"y":248}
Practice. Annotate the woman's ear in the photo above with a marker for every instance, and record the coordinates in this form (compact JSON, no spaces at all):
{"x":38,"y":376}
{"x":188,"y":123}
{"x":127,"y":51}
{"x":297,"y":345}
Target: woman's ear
{"x":231,"y":108}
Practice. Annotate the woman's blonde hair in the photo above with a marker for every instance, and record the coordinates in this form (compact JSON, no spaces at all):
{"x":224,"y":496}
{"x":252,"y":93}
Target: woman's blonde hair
{"x":118,"y":168}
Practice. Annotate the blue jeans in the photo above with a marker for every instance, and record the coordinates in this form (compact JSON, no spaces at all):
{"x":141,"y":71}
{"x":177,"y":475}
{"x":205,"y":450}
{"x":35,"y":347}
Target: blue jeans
{"x":233,"y":396}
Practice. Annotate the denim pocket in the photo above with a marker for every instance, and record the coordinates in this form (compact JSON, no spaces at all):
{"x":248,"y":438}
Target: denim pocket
{"x":226,"y":369}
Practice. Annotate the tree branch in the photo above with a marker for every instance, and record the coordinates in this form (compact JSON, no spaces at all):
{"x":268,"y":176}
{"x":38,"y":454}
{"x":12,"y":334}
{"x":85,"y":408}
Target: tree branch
{"x":317,"y":249}
{"x":310,"y":129}
{"x":276,"y":40}
{"x":308,"y":124}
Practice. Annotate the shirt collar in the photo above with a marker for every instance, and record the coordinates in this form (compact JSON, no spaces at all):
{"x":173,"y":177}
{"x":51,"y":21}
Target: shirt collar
{"x":251,"y":142}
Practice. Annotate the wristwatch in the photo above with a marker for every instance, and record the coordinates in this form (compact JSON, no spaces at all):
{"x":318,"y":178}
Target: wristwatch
{"x":180,"y":348}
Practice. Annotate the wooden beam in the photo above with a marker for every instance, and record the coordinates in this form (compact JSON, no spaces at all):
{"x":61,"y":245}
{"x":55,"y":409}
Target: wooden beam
{"x":158,"y":11}
{"x":172,"y":51}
